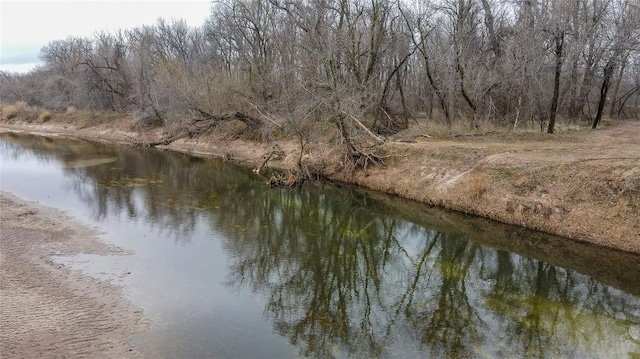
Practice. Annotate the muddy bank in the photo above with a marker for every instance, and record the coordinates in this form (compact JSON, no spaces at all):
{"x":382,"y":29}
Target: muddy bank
{"x":583,"y":185}
{"x":47,"y":310}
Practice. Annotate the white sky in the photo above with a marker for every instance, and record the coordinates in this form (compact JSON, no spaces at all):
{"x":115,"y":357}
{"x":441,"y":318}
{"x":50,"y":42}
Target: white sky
{"x":26,"y":26}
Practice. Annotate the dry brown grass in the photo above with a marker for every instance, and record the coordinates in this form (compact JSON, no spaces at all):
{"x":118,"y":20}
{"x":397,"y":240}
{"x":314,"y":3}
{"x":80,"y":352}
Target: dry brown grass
{"x":9,"y":111}
{"x":14,"y":110}
{"x":44,"y":116}
{"x":478,"y":186}
{"x":463,"y":130}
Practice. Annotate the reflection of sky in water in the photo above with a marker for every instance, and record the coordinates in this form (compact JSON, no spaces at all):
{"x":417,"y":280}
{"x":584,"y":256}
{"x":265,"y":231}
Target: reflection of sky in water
{"x":226,"y":267}
{"x":40,"y":180}
{"x":179,"y":282}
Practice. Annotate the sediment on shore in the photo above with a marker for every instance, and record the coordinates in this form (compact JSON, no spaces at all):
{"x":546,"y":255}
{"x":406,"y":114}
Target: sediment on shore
{"x":46,"y":309}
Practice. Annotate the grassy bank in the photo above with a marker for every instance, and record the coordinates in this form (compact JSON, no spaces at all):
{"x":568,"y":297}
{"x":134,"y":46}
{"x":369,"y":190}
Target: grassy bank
{"x":580,"y":184}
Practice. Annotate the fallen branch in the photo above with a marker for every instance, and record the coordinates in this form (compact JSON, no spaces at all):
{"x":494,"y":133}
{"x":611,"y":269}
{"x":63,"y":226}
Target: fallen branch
{"x":470,"y":134}
{"x":193,"y":129}
{"x":164,"y":142}
{"x":375,"y":137}
{"x":275,"y":153}
{"x":200,"y":126}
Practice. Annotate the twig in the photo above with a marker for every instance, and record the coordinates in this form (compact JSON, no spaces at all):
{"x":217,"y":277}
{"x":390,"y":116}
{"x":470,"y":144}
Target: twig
{"x":261,"y":113}
{"x":385,"y":112}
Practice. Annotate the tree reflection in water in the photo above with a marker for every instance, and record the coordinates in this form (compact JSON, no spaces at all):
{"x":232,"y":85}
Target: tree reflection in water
{"x":343,"y":273}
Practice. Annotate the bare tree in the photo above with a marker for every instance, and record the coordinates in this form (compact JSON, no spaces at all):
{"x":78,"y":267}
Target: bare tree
{"x":623,"y":37}
{"x":365,"y":67}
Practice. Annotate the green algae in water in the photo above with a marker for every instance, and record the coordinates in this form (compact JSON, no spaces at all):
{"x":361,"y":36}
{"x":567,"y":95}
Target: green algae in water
{"x":130,"y":182}
{"x":89,"y":162}
{"x":557,"y":324}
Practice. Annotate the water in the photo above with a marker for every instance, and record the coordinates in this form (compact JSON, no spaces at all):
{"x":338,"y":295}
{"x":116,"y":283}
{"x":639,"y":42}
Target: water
{"x":224,"y":266}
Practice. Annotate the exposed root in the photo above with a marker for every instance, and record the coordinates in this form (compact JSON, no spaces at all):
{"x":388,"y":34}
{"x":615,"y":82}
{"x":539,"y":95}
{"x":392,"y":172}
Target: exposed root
{"x":358,"y":159}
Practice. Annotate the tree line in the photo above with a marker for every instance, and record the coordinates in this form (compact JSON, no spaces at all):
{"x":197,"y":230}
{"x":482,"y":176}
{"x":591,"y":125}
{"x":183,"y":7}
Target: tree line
{"x":359,"y":65}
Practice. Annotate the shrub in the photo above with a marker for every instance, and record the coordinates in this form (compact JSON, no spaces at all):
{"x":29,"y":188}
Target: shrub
{"x":44,"y":116}
{"x":9,"y":111}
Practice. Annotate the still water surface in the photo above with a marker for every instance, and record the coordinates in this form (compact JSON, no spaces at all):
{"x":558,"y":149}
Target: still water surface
{"x":226,"y":267}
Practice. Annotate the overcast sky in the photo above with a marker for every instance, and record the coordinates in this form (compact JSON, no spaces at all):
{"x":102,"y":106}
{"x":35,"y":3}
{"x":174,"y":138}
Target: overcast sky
{"x":26,"y":26}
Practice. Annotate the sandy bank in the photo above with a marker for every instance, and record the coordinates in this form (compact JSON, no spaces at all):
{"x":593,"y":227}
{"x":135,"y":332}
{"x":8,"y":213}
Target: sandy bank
{"x":47,"y":310}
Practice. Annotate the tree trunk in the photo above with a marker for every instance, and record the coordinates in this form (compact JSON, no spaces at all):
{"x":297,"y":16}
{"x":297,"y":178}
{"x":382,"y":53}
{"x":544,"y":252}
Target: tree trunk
{"x":441,"y":96}
{"x":604,"y":89}
{"x":559,"y":40}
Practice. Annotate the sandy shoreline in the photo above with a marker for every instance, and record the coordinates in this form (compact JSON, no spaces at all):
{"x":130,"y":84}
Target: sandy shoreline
{"x":47,"y":310}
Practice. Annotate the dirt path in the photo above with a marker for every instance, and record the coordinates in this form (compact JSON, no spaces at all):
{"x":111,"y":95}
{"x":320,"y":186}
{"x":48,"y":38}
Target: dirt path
{"x":46,"y":310}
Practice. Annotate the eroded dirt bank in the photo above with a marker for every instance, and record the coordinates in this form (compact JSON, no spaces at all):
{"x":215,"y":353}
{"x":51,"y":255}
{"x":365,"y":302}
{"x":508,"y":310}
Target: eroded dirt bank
{"x":46,"y":310}
{"x":583,"y":185}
